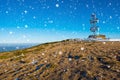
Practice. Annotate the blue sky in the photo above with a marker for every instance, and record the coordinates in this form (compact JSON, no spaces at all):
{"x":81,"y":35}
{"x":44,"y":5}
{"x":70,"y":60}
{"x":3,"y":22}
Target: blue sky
{"x":36,"y":21}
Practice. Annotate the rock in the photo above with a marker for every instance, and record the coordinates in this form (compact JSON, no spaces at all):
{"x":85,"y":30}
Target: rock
{"x":83,"y":59}
{"x":114,"y":79}
{"x":39,"y":66}
{"x":104,"y":67}
{"x":118,"y":75}
{"x":103,"y":61}
{"x":118,"y":58}
{"x":100,"y":59}
{"x":55,"y":55}
{"x":77,"y":71}
{"x":22,"y":55}
{"x":69,"y":56}
{"x":17,"y":79}
{"x":90,"y":58}
{"x":83,"y":73}
{"x":48,"y":65}
{"x":22,"y":61}
{"x":118,"y":52}
{"x":11,"y":59}
{"x":95,"y":78}
{"x":76,"y":57}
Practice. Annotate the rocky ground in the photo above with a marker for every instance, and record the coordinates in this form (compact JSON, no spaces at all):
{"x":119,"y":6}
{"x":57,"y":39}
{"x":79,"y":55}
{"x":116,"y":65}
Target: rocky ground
{"x":64,"y":60}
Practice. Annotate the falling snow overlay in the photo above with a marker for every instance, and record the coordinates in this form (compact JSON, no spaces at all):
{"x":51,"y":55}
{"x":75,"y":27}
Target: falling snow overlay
{"x":59,"y":39}
{"x":50,"y":20}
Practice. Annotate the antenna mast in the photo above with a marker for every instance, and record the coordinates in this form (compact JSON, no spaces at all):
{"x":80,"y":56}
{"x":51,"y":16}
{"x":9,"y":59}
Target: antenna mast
{"x":93,"y":6}
{"x":94,"y":28}
{"x":93,"y":22}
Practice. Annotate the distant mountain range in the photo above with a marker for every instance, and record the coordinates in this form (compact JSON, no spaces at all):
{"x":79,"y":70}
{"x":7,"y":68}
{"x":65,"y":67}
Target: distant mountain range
{"x":15,"y":46}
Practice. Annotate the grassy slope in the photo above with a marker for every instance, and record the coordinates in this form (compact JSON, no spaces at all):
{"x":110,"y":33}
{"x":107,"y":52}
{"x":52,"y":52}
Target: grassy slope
{"x":63,"y":61}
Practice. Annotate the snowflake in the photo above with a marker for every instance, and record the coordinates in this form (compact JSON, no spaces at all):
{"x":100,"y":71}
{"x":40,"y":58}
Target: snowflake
{"x":83,"y":25}
{"x":24,"y":36}
{"x":34,"y":17}
{"x":110,"y":17}
{"x":2,"y":29}
{"x":87,"y":5}
{"x":83,"y":28}
{"x":6,"y":12}
{"x":45,"y":25}
{"x":18,"y":27}
{"x":10,"y":32}
{"x":70,"y":59}
{"x":71,"y":12}
{"x":116,"y":15}
{"x":70,"y":6}
{"x":113,"y":9}
{"x":57,"y":5}
{"x":82,"y":48}
{"x":48,"y":7}
{"x":34,"y":61}
{"x":82,"y":60}
{"x":26,"y":26}
{"x":60,"y":53}
{"x":104,"y":42}
{"x":43,"y":54}
{"x":31,"y":7}
{"x":4,"y":48}
{"x":17,"y":47}
{"x":104,"y":22}
{"x":110,"y":4}
{"x":98,"y":21}
{"x":50,"y":21}
{"x":75,"y":8}
{"x":101,"y":14}
{"x":45,"y":61}
{"x":25,"y":12}
{"x":62,"y":1}
{"x":28,"y":40}
{"x":118,"y":28}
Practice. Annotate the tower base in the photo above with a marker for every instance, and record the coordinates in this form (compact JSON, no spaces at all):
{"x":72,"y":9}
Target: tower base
{"x":100,"y":36}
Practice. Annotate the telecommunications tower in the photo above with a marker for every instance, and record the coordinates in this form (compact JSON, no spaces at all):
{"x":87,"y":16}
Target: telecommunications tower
{"x":94,"y":28}
{"x":93,"y":22}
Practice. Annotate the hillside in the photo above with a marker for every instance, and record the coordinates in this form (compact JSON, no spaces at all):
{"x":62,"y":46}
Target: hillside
{"x":64,"y":60}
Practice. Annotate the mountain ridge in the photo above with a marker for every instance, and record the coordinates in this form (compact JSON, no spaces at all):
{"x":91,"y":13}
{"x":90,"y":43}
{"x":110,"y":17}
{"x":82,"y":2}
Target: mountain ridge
{"x":64,"y":60}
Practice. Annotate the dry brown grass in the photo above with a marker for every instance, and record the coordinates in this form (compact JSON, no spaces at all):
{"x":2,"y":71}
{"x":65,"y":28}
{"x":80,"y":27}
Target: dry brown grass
{"x":63,"y":60}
